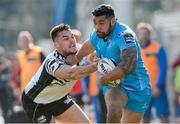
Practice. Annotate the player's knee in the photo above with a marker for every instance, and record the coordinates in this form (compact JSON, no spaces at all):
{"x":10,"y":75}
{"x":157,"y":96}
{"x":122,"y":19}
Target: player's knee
{"x":114,"y":115}
{"x":114,"y":109}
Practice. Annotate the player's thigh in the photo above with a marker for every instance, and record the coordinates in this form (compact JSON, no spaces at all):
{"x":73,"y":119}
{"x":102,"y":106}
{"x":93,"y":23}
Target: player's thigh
{"x":115,"y":98}
{"x":131,"y":117}
{"x":73,"y":115}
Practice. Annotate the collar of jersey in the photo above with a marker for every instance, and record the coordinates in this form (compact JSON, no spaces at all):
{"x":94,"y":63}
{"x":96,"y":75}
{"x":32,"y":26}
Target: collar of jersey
{"x":58,"y":55}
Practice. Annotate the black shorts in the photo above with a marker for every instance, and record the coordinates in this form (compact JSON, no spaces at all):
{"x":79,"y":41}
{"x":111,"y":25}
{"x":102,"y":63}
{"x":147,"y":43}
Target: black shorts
{"x":42,"y":113}
{"x":77,"y":98}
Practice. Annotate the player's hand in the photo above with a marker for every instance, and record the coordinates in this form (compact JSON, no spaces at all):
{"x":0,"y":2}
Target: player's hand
{"x":71,"y":59}
{"x":102,"y":82}
{"x":156,"y":91}
{"x":92,"y":57}
{"x":96,"y":60}
{"x":99,"y":78}
{"x":114,"y":83}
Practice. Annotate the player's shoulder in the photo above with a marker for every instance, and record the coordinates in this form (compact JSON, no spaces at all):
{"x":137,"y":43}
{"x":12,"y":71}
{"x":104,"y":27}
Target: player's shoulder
{"x":123,"y":31}
{"x":55,"y":56}
{"x":50,"y":57}
{"x":53,"y":61}
{"x":126,"y":36}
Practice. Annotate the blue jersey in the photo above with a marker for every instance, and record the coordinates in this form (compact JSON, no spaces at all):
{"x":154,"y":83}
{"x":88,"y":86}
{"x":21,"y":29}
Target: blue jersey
{"x":122,"y":38}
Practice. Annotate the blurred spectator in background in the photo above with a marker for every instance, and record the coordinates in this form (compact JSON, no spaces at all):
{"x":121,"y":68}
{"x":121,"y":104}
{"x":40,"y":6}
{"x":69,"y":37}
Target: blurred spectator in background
{"x":15,"y":77}
{"x":155,"y":60}
{"x":30,"y":57}
{"x":77,"y":90}
{"x":6,"y":95}
{"x":77,"y":35}
{"x":18,"y":113}
{"x":176,"y":69}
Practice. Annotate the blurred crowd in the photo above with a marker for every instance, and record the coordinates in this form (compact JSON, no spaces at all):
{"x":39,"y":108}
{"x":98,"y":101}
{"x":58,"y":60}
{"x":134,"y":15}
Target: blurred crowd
{"x":18,"y":67}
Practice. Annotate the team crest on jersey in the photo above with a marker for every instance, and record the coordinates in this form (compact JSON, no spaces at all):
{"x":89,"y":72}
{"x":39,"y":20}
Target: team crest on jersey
{"x":129,"y":38}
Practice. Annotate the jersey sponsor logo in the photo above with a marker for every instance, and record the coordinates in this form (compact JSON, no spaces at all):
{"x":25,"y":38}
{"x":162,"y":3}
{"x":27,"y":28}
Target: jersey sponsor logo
{"x":129,"y":38}
{"x":41,"y":119}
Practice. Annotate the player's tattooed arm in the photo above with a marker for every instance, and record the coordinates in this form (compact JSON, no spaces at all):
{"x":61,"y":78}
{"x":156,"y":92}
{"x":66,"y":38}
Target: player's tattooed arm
{"x":129,"y":60}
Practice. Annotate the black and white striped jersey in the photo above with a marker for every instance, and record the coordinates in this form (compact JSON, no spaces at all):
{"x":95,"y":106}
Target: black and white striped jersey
{"x":44,"y":87}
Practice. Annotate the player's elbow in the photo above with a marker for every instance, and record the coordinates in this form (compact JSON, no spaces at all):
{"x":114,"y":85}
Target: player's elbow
{"x":132,"y":67}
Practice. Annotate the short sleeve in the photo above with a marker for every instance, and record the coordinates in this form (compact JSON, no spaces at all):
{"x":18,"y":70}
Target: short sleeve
{"x":52,"y":65}
{"x":93,"y":40}
{"x":127,"y":40}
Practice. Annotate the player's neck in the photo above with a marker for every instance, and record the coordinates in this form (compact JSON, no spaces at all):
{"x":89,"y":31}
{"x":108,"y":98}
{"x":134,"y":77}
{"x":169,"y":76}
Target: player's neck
{"x":62,"y":53}
{"x":110,"y":33}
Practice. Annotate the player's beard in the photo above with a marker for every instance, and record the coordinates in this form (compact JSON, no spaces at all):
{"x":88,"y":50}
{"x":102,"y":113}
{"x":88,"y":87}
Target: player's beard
{"x":106,"y":35}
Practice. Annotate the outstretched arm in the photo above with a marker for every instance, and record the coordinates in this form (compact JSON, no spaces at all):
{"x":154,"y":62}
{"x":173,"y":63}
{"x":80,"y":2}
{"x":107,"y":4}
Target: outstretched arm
{"x":74,"y":72}
{"x":85,"y":50}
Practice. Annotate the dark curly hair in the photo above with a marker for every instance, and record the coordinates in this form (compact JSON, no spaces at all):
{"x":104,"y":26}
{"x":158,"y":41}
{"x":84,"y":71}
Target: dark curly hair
{"x":104,"y":9}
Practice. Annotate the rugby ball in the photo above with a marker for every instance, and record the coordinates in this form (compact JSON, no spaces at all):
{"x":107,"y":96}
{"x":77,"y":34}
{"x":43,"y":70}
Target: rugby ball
{"x":105,"y":65}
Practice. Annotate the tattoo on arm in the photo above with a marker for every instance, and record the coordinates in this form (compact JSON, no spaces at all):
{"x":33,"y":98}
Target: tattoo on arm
{"x":129,"y":60}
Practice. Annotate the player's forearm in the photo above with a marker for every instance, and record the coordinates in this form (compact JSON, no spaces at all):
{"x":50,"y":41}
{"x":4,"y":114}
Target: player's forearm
{"x":81,"y":71}
{"x":85,"y":50}
{"x":116,"y":74}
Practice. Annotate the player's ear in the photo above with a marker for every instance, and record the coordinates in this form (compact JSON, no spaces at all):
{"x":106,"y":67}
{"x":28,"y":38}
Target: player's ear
{"x":113,"y":20}
{"x":55,"y":43}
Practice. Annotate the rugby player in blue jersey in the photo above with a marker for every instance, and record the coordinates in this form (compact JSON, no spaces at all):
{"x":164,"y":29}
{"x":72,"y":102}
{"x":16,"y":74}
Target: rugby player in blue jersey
{"x":111,"y":39}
